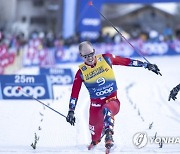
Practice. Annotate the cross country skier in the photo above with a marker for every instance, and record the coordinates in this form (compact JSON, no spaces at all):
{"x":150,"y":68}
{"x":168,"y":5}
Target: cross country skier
{"x":174,"y":92}
{"x":97,"y":74}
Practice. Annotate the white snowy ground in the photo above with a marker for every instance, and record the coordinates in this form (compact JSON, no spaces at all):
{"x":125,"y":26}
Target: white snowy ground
{"x":144,"y":101}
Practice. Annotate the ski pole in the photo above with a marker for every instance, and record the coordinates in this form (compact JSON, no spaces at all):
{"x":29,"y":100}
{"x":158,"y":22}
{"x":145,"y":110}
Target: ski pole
{"x":136,"y":49}
{"x":30,"y":96}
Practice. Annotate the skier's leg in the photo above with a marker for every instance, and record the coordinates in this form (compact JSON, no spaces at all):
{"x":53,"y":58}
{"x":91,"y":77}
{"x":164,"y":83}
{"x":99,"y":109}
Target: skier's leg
{"x":96,"y":119}
{"x":113,"y":106}
{"x":110,"y":109}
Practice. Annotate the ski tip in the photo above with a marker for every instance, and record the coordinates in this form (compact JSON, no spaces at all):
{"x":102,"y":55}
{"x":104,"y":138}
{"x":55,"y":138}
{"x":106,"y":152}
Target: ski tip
{"x":107,"y":151}
{"x":18,"y":88}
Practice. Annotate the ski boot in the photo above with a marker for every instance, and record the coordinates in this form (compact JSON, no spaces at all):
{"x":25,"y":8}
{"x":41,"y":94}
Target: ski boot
{"x":108,"y":127}
{"x":109,"y":142}
{"x":93,"y":144}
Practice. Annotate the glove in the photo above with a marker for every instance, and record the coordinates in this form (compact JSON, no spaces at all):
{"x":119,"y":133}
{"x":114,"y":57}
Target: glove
{"x":70,"y":118}
{"x":153,"y":68}
{"x":173,"y":93}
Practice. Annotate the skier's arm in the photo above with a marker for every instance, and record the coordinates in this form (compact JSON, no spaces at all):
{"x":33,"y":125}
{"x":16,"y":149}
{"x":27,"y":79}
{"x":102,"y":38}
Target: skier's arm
{"x":75,"y":91}
{"x":118,"y":60}
{"x":74,"y":97}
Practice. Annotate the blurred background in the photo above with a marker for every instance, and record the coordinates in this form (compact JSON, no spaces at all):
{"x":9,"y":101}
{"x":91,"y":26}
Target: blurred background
{"x":47,"y":32}
{"x":39,"y":52}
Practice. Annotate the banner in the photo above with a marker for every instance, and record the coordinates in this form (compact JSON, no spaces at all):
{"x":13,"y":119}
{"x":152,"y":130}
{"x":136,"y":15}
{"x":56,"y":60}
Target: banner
{"x":89,"y":20}
{"x":58,"y":76}
{"x":70,"y":54}
{"x":37,"y":56}
{"x":122,"y":49}
{"x":33,"y":85}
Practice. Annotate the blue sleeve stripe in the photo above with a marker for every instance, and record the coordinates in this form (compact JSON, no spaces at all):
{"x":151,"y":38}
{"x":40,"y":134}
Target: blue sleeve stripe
{"x":108,"y":60}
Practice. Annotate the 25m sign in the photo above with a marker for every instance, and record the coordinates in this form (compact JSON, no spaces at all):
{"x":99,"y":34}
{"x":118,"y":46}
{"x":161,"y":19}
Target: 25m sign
{"x":33,"y":85}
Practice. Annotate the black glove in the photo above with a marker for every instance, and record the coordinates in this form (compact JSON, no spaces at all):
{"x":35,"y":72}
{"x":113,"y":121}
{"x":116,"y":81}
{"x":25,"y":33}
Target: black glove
{"x":70,"y":118}
{"x":173,"y":93}
{"x":153,"y":68}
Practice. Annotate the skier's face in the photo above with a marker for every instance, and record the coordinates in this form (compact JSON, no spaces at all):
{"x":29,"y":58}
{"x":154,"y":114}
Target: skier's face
{"x":88,"y":54}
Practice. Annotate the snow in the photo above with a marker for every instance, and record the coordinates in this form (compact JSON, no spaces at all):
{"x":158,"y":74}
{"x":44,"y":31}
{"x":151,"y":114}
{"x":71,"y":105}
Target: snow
{"x":144,"y":102}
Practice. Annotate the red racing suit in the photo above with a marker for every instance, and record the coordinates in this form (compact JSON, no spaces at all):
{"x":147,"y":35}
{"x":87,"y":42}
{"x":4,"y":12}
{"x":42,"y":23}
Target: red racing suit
{"x":102,"y":89}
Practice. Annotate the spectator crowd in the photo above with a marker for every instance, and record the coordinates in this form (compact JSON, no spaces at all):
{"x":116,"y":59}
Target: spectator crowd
{"x":41,"y":46}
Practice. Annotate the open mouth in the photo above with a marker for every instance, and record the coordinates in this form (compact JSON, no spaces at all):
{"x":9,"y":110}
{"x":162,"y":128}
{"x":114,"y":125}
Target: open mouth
{"x":90,"y":60}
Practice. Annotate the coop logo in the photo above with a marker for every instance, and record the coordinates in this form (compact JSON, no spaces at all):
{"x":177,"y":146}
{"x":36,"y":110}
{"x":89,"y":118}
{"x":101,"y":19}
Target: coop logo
{"x":141,"y":139}
{"x":59,"y":79}
{"x":10,"y":91}
{"x":90,"y":34}
{"x":103,"y":92}
{"x":91,"y":22}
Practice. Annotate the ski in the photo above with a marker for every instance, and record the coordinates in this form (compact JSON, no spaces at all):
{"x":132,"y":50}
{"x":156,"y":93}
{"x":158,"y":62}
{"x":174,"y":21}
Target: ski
{"x":110,"y":149}
{"x":107,"y":150}
{"x":91,"y":146}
